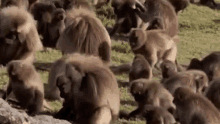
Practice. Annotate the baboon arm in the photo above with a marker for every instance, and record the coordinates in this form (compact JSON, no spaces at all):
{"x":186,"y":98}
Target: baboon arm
{"x":135,"y":113}
{"x":115,"y":29}
{"x":64,"y":112}
{"x":9,"y":89}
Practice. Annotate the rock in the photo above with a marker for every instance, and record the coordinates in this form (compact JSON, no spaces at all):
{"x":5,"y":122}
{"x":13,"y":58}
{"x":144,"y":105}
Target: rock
{"x":9,"y":115}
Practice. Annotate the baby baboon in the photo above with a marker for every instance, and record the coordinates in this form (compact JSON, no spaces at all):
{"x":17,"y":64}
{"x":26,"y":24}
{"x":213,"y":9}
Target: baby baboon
{"x":25,"y":83}
{"x":162,"y":13}
{"x":191,"y":105}
{"x":213,"y":92}
{"x":154,"y":45}
{"x":179,"y":5}
{"x":89,"y":88}
{"x":85,"y":33}
{"x":210,"y":65}
{"x":140,"y":68}
{"x":19,"y":3}
{"x":157,"y":115}
{"x":126,"y":18}
{"x":19,"y":39}
{"x":196,"y":80}
{"x":150,"y":92}
{"x":50,"y":22}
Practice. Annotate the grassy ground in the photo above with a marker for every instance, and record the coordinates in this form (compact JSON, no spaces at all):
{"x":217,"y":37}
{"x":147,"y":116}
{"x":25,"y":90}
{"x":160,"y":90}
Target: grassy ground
{"x":198,"y":31}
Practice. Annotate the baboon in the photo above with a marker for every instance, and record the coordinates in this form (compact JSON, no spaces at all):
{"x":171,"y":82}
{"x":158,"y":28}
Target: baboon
{"x":154,"y":45}
{"x":159,"y":12}
{"x":190,"y":105}
{"x":25,"y":83}
{"x":196,"y":80}
{"x":126,"y":18}
{"x":19,"y":39}
{"x":157,"y":115}
{"x":168,"y":68}
{"x":210,"y":3}
{"x":213,"y":92}
{"x":179,"y":4}
{"x":210,"y":65}
{"x":85,"y":33}
{"x":150,"y":92}
{"x":140,"y":68}
{"x":50,"y":22}
{"x":89,"y":88}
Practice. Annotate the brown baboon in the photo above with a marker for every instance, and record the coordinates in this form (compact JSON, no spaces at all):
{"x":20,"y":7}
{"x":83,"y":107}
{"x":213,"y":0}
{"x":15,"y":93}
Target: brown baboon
{"x":18,"y":35}
{"x":25,"y":83}
{"x":140,"y":69}
{"x":157,"y":115}
{"x":85,"y":33}
{"x":50,"y":22}
{"x":210,"y":65}
{"x":168,"y":68}
{"x":154,"y":45}
{"x":213,"y":92}
{"x":126,"y":18}
{"x":150,"y":92}
{"x":179,"y":5}
{"x":162,"y":13}
{"x":194,"y":107}
{"x":196,"y":80}
{"x":89,"y":88}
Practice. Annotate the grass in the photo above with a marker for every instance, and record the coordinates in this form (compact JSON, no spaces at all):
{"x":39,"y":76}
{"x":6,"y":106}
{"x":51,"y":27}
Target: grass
{"x":198,"y":32}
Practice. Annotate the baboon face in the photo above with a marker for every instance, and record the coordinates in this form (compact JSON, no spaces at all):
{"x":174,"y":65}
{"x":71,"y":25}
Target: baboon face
{"x":64,"y":85}
{"x":137,"y":39}
{"x":58,"y":15}
{"x":137,"y":91}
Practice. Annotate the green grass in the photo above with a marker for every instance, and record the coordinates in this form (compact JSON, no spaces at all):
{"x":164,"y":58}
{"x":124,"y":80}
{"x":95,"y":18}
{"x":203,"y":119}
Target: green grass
{"x":199,"y":35}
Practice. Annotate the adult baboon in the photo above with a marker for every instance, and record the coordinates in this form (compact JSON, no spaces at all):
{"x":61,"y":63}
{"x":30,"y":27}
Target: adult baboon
{"x":50,"y":22}
{"x":190,"y":105}
{"x":89,"y":88}
{"x":162,"y":13}
{"x":140,"y":68}
{"x":150,"y":92}
{"x":25,"y":83}
{"x":126,"y":18}
{"x":210,"y":65}
{"x":85,"y":33}
{"x":154,"y":45}
{"x":19,"y":39}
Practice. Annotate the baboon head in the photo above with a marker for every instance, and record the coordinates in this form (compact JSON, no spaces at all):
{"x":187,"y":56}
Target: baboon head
{"x":137,"y":38}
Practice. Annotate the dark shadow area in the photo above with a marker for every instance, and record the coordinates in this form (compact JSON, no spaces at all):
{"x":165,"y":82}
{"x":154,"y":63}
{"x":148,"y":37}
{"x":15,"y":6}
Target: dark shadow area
{"x":210,"y":5}
{"x":123,"y":83}
{"x":118,"y":37}
{"x":132,"y":103}
{"x":216,"y":21}
{"x":42,"y":66}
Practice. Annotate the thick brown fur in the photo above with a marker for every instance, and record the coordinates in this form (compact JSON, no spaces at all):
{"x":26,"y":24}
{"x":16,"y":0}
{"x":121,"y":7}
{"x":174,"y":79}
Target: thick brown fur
{"x":213,"y":92}
{"x":140,"y":68}
{"x":150,"y":92}
{"x":162,"y":13}
{"x":19,"y":3}
{"x":154,"y":45}
{"x":157,"y":115}
{"x":196,"y":80}
{"x":84,"y":33}
{"x":26,"y":84}
{"x":190,"y":105}
{"x":210,"y":65}
{"x":93,"y":92}
{"x":18,"y":35}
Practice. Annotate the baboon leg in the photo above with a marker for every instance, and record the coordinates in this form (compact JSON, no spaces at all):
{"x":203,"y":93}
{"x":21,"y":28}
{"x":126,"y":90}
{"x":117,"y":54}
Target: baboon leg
{"x":152,"y":58}
{"x":9,"y":89}
{"x":102,"y":116}
{"x":36,"y":107}
{"x":171,"y":54}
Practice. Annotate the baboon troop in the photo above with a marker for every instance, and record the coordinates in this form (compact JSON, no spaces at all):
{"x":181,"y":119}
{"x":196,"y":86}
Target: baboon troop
{"x":84,"y":78}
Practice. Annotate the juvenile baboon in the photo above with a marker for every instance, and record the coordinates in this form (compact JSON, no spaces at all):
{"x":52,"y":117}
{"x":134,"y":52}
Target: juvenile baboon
{"x":89,"y":88}
{"x":154,"y":45}
{"x":25,"y":83}
{"x":50,"y":22}
{"x":162,"y":13}
{"x":150,"y":92}
{"x":179,"y":4}
{"x":196,"y":80}
{"x":126,"y":18}
{"x":191,"y":105}
{"x":210,"y":65}
{"x":157,"y":115}
{"x":140,"y":68}
{"x":19,"y":39}
{"x":213,"y":92}
{"x":85,"y":33}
